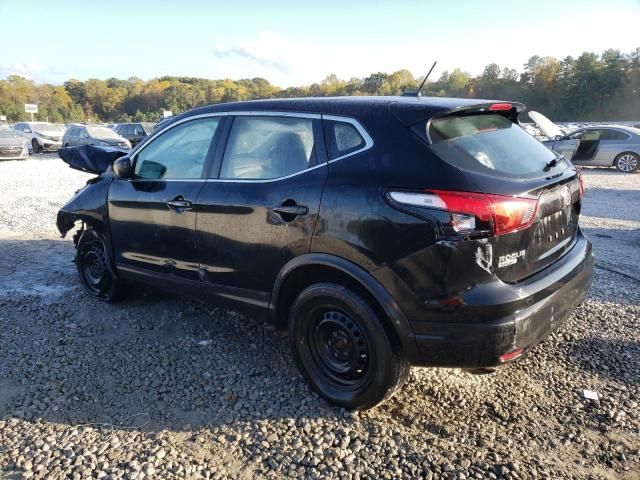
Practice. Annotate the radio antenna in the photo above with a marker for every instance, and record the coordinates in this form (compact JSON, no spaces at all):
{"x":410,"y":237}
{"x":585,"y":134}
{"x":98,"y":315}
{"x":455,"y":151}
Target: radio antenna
{"x":417,"y":92}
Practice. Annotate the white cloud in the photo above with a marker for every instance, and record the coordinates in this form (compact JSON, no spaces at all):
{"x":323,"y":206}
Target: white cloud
{"x":25,"y":69}
{"x":295,"y":61}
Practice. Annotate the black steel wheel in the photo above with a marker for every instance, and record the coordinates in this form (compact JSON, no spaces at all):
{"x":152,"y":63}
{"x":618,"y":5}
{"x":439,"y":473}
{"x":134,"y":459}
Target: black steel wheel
{"x":35,"y":146}
{"x":342,"y":348}
{"x":96,"y":276}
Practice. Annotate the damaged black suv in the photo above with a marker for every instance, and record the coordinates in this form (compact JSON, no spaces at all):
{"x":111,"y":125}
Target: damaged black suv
{"x":379,"y":233}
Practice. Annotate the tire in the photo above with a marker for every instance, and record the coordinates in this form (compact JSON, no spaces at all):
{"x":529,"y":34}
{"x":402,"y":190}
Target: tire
{"x":96,"y":275}
{"x":35,"y":146}
{"x":627,"y":162}
{"x":340,"y":346}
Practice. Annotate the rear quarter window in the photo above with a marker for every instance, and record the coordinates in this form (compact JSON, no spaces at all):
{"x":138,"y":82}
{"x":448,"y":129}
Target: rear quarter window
{"x":489,"y":144}
{"x":342,"y":139}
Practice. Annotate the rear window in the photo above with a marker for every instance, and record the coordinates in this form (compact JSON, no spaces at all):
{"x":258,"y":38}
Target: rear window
{"x":490,"y":144}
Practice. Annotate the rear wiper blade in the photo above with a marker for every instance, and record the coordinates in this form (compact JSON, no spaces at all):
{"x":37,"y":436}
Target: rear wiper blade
{"x":548,"y":166}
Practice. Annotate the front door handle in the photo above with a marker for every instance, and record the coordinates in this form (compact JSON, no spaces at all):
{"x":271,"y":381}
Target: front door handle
{"x":179,"y":204}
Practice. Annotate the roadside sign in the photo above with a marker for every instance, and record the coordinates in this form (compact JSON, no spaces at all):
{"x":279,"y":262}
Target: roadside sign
{"x":3,"y":118}
{"x":167,"y":113}
{"x":31,"y":108}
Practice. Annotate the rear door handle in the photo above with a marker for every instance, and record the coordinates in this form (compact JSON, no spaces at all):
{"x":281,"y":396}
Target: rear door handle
{"x":291,"y":210}
{"x":179,"y":204}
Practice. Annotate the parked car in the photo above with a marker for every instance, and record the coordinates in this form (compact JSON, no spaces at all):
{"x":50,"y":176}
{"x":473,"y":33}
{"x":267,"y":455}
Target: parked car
{"x":597,"y":146}
{"x":12,"y":145}
{"x":379,"y":232}
{"x":93,"y":135}
{"x":134,"y":132}
{"x":42,"y":136}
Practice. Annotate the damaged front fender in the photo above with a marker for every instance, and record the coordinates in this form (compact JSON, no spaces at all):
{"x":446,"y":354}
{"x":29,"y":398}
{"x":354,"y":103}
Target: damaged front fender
{"x":88,"y":205}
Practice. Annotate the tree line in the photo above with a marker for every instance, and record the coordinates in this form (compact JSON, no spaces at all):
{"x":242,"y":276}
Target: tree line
{"x":589,"y":87}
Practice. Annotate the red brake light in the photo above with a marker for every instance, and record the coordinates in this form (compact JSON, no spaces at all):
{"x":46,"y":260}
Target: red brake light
{"x":500,"y":106}
{"x":512,"y":213}
{"x":511,"y":355}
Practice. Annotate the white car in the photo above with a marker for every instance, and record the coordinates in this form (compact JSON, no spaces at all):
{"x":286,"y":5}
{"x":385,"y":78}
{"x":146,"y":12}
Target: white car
{"x":42,"y":136}
{"x":12,"y":145}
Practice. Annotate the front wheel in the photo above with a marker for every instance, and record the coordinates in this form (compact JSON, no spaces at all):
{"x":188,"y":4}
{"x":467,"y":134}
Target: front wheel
{"x":96,"y":275}
{"x":627,"y":162}
{"x":342,"y":348}
{"x":35,"y":146}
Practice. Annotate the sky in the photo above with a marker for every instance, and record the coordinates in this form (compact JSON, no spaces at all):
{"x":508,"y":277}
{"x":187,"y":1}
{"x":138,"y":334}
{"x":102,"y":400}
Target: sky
{"x":299,"y":42}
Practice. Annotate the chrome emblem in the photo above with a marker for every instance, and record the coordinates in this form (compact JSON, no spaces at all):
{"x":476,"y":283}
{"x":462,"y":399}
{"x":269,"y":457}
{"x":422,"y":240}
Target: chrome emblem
{"x":510,"y":258}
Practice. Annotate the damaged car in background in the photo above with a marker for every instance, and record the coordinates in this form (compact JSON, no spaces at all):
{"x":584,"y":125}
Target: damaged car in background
{"x":42,"y":136}
{"x":594,"y":146}
{"x":377,"y":232}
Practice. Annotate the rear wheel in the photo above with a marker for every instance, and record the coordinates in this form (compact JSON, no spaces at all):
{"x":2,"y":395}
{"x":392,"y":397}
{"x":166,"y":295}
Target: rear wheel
{"x":627,"y":162}
{"x":96,"y":276}
{"x":342,"y":348}
{"x":35,"y":146}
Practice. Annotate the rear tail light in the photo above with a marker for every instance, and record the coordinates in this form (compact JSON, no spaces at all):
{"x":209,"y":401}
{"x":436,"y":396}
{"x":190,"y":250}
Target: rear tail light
{"x":583,"y":188}
{"x":472,"y":212}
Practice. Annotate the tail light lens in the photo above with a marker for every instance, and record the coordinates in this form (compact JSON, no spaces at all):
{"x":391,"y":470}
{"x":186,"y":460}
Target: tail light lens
{"x":583,"y":188}
{"x":472,"y":212}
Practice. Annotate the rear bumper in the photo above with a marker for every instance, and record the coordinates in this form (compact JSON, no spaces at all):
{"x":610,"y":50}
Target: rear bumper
{"x":551,"y":296}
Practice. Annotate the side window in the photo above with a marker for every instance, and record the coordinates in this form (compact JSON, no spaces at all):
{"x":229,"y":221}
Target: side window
{"x":18,"y":127}
{"x":178,"y":153}
{"x":591,"y":135}
{"x":613,"y":135}
{"x":261,"y":148}
{"x":137,"y":130}
{"x":342,"y":138}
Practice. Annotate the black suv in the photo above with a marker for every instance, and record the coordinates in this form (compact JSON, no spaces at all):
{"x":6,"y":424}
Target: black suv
{"x":379,"y":232}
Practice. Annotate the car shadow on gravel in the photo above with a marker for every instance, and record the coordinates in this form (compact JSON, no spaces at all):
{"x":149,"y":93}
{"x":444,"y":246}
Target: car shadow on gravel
{"x":615,"y":359}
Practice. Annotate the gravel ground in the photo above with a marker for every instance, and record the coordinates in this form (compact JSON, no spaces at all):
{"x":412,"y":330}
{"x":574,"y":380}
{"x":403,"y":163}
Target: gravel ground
{"x":160,"y":387}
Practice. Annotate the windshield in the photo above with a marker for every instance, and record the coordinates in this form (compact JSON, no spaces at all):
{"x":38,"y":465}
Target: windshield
{"x":102,"y":132}
{"x":45,"y":127}
{"x":490,"y":144}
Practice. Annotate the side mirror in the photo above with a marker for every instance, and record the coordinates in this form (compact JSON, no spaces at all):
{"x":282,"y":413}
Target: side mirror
{"x":123,"y":168}
{"x":27,"y":130}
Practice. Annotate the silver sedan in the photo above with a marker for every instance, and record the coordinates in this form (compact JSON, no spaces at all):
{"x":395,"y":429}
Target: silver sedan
{"x":593,"y":145}
{"x":605,"y":146}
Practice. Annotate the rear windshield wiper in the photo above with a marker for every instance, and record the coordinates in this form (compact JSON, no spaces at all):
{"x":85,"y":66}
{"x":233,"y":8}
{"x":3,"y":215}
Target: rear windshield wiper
{"x":548,"y":166}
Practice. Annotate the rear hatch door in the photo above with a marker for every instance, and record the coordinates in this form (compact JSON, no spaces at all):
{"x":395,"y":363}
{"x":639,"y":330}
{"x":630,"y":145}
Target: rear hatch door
{"x":507,"y":164}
